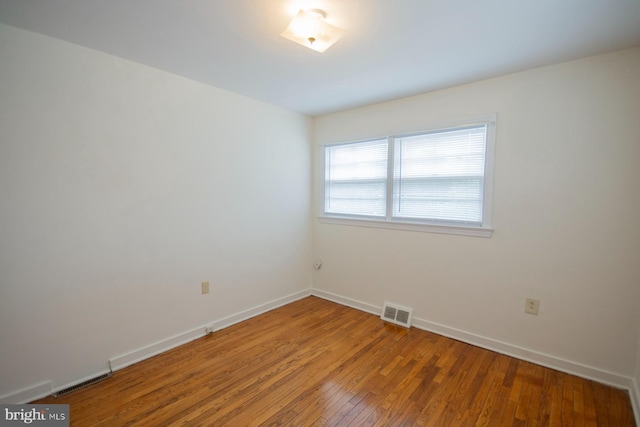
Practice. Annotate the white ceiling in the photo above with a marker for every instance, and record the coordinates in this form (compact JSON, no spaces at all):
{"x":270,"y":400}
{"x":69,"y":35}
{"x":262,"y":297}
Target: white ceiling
{"x":392,"y":48}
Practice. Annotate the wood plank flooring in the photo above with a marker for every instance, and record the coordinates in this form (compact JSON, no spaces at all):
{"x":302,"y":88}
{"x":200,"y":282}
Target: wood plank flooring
{"x":316,"y":363}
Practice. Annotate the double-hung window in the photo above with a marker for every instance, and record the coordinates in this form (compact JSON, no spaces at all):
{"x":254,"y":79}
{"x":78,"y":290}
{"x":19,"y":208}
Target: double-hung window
{"x":438,"y":180}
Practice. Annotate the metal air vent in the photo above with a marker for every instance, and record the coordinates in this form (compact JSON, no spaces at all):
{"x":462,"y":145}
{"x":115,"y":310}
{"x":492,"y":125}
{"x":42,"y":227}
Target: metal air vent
{"x":81,"y":385}
{"x":397,"y":314}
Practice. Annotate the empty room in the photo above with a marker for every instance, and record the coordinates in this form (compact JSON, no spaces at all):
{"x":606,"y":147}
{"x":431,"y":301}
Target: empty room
{"x":320,"y":212}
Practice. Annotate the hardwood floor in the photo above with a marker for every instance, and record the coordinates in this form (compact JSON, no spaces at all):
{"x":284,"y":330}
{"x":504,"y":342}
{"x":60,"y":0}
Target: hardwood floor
{"x":316,"y":363}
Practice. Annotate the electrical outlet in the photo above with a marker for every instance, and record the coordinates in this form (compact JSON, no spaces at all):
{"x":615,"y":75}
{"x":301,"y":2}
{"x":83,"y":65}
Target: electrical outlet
{"x":205,"y":287}
{"x":531,"y":306}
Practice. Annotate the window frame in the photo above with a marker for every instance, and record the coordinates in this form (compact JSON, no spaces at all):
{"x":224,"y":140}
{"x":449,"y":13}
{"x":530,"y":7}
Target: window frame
{"x":414,"y":224}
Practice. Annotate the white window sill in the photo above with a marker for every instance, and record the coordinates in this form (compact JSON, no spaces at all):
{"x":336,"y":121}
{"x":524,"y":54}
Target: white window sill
{"x":409,"y":226}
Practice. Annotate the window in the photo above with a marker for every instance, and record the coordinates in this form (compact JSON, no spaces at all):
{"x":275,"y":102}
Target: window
{"x":438,"y":180}
{"x":356,"y":178}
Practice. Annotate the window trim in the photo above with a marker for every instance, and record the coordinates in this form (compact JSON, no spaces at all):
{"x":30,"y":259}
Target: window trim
{"x":395,"y":223}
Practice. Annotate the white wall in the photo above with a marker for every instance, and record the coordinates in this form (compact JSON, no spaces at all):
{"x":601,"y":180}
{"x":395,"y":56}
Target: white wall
{"x":566,"y":211}
{"x":122,"y":187}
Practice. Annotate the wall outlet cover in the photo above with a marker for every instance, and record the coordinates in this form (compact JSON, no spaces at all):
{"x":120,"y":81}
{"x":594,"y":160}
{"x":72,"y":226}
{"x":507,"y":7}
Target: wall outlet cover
{"x":532,"y":306}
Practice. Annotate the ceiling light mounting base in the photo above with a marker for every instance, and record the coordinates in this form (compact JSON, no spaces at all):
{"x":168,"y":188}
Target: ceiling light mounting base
{"x":317,"y":12}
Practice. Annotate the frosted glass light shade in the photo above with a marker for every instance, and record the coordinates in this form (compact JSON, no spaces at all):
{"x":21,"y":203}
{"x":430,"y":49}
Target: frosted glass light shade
{"x":309,"y":29}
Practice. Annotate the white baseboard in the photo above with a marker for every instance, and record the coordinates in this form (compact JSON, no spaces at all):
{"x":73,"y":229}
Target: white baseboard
{"x":533,"y":356}
{"x":349,"y":302}
{"x":44,"y":389}
{"x":256,"y":311}
{"x":166,"y":344}
{"x":138,"y":355}
{"x":634,"y":393}
{"x":528,"y":355}
{"x":28,"y":394}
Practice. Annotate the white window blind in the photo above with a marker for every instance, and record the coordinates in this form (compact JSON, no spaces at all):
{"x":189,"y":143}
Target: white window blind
{"x":439,"y":176}
{"x":439,"y":180}
{"x":356,"y":178}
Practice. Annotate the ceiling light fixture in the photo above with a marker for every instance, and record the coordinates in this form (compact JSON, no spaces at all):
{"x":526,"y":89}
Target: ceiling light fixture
{"x":310,"y":29}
